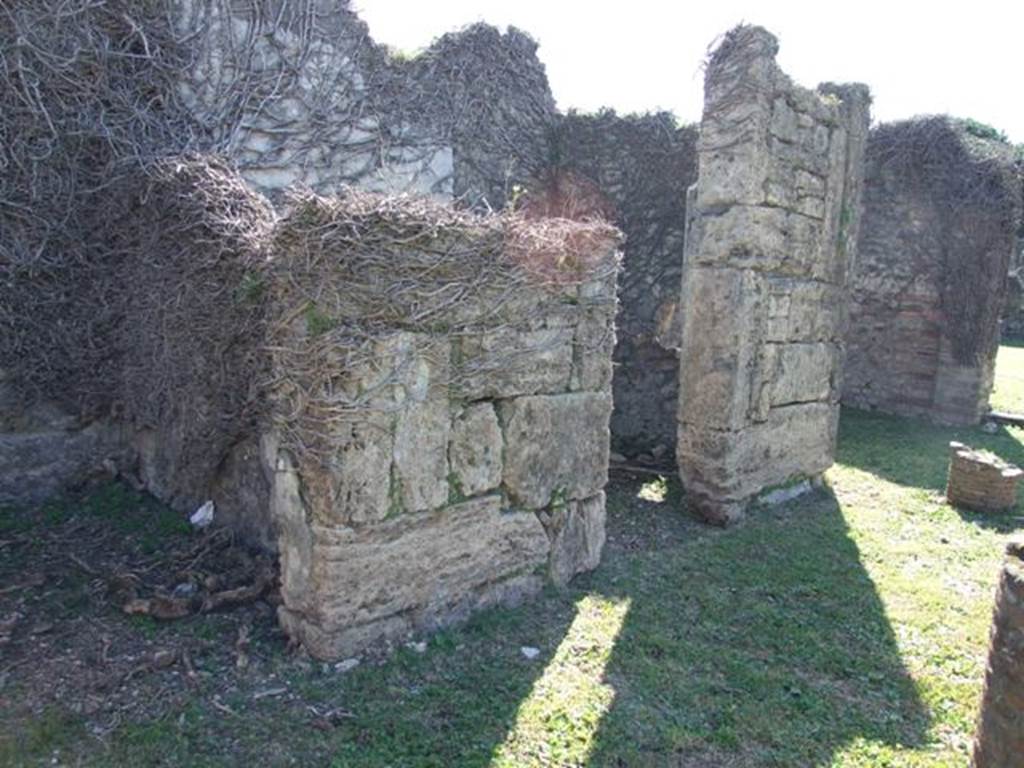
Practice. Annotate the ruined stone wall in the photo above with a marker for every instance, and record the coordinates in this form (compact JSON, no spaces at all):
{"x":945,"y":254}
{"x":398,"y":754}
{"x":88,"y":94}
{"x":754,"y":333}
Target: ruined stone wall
{"x":999,"y":741}
{"x":941,"y":211}
{"x":642,"y":166}
{"x":318,"y":103}
{"x":772,"y":223}
{"x":429,"y":460}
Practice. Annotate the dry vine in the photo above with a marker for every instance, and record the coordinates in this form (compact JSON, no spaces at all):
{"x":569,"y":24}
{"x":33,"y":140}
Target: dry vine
{"x":976,"y":192}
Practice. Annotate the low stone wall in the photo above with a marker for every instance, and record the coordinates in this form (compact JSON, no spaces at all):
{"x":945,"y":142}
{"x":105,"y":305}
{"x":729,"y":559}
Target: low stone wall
{"x":772,"y":223}
{"x":433,"y":458}
{"x":999,"y":742}
{"x":941,"y":211}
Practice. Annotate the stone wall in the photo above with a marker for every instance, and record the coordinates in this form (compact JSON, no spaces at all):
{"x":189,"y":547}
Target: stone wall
{"x":999,"y":742}
{"x":319,"y":103}
{"x":426,"y":466}
{"x":941,"y":211}
{"x":772,"y":223}
{"x":642,"y":166}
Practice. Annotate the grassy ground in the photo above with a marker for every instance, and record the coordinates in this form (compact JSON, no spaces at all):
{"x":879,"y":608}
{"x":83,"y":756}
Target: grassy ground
{"x":1008,"y":391}
{"x":847,"y":629}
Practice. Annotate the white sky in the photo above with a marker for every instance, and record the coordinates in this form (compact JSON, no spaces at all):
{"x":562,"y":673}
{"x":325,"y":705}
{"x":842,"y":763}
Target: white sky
{"x":964,"y":58}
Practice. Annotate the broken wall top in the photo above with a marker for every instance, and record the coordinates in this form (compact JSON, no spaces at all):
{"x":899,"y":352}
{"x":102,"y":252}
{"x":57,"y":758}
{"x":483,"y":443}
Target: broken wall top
{"x":772,"y":225}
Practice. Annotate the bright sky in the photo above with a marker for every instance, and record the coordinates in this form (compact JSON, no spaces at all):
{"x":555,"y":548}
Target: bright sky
{"x":965,"y":59}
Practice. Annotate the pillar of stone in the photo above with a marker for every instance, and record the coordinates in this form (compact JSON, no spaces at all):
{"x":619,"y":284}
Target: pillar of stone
{"x":999,"y":742}
{"x":771,"y":228}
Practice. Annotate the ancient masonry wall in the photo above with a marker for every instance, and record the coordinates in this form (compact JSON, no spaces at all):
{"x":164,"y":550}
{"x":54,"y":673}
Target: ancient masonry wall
{"x":642,"y":166}
{"x":319,"y":103}
{"x":941,"y":211}
{"x":429,"y":460}
{"x":999,"y":741}
{"x":772,"y":223}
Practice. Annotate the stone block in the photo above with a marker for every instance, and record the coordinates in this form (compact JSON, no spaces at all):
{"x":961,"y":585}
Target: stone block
{"x":556,"y":447}
{"x":724,"y":313}
{"x":577,"y":533}
{"x":507,"y":362}
{"x":474,"y":453}
{"x":803,"y":373}
{"x":414,"y":572}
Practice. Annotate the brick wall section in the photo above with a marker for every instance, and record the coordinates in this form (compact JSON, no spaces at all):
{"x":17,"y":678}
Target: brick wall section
{"x":902,"y":355}
{"x":773,"y":218}
{"x":999,"y":742}
{"x":980,"y":481}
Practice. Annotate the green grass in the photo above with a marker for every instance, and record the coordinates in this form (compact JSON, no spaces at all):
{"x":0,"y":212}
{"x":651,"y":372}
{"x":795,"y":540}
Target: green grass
{"x":846,"y":629}
{"x":1008,"y":391}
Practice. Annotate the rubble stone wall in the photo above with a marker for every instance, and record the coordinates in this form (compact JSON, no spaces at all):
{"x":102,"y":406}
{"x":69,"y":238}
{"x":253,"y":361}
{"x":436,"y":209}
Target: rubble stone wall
{"x":642,"y":165}
{"x":467,"y":462}
{"x":999,"y":741}
{"x":773,"y":220}
{"x":319,"y":103}
{"x":938,"y":234}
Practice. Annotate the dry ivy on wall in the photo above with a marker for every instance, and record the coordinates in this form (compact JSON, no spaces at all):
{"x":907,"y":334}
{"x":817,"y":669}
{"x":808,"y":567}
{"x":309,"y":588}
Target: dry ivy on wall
{"x":975,"y":189}
{"x":92,"y":94}
{"x":358,"y":272}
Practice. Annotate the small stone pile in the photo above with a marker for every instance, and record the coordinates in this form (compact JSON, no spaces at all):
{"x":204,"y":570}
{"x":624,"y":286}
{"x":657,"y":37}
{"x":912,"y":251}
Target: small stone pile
{"x":980,"y":480}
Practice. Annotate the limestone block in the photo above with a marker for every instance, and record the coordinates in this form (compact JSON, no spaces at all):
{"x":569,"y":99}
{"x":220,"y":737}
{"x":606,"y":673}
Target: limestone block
{"x":355,"y":484}
{"x":795,"y":310}
{"x":507,"y":362}
{"x":724,"y":312}
{"x":421,"y":454}
{"x":767,"y":239}
{"x":721,"y":469}
{"x":803,"y":373}
{"x":593,"y":347}
{"x":475,"y":450}
{"x":556,"y":447}
{"x":413,"y":572}
{"x":577,"y":532}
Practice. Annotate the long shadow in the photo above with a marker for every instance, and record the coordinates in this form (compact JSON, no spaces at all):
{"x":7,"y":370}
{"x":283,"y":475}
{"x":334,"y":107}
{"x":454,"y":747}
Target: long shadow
{"x":764,"y":645}
{"x":915,"y":454}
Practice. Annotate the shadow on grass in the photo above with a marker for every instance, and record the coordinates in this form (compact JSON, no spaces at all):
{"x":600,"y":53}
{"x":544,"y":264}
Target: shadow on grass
{"x":762,"y":645}
{"x":915,"y":454}
{"x":766,"y":645}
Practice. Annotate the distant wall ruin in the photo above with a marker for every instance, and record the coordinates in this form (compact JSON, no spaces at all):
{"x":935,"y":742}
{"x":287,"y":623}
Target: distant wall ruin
{"x":941,"y":213}
{"x":772,"y":223}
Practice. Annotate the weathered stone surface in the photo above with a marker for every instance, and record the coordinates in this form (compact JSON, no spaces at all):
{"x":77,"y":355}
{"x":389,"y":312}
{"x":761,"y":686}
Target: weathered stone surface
{"x":36,"y":465}
{"x":765,"y":268}
{"x":593,"y":347}
{"x":413,"y":572}
{"x":577,"y":532}
{"x":421,"y":454}
{"x":507,"y":362}
{"x":931,"y":271}
{"x":556,"y":447}
{"x":475,"y":450}
{"x":241,"y":493}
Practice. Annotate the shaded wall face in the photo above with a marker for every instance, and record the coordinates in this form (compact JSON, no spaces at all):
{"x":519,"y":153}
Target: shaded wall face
{"x":771,"y":219}
{"x":642,"y":166}
{"x":930,"y":271}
